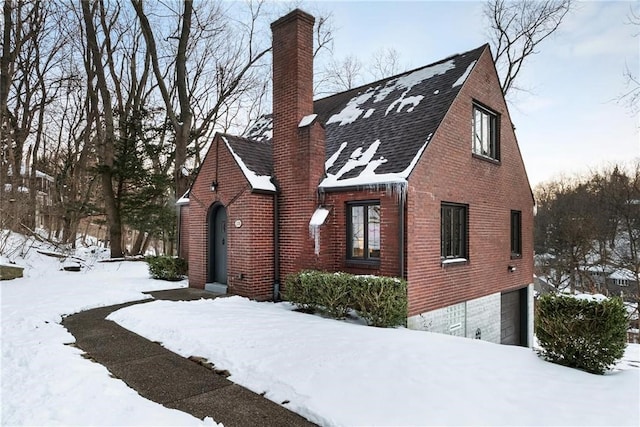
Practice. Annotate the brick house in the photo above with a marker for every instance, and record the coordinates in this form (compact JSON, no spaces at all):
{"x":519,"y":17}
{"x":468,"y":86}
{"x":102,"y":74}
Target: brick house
{"x":418,"y":175}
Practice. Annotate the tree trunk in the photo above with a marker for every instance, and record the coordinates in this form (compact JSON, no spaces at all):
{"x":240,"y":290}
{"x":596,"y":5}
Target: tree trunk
{"x":107,"y":149}
{"x":137,"y":245}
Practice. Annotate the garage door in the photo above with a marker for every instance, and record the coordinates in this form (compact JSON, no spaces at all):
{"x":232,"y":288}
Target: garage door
{"x":513,"y":319}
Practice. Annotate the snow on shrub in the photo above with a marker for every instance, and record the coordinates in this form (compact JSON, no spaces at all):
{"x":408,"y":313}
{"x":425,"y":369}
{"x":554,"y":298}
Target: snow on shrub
{"x":167,"y":267}
{"x":587,"y":334}
{"x":381,"y":301}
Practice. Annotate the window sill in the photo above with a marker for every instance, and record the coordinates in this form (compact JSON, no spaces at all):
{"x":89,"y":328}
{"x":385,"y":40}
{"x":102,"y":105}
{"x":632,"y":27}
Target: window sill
{"x":485,"y":158}
{"x":453,"y":261}
{"x":516,"y":256}
{"x":363,"y":263}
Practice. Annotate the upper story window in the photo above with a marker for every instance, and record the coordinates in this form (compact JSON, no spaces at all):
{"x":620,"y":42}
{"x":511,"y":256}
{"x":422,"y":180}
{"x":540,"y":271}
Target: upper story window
{"x":516,"y":234}
{"x":621,"y":282}
{"x":453,"y":231}
{"x":485,"y":133}
{"x":363,"y":229}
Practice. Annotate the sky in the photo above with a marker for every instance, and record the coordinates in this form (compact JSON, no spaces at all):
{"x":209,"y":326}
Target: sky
{"x":568,"y":118}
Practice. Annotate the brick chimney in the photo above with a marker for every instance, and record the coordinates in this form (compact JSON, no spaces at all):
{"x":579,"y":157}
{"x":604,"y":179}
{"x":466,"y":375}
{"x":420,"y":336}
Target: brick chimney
{"x":298,"y":153}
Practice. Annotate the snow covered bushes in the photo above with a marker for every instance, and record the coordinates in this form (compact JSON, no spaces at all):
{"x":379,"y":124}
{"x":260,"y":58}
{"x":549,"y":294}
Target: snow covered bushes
{"x":167,"y":267}
{"x":381,"y":301}
{"x":581,"y":333}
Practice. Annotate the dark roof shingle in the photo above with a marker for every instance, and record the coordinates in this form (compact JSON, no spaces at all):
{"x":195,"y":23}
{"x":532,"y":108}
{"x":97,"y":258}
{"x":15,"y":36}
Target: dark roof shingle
{"x":374,"y":133}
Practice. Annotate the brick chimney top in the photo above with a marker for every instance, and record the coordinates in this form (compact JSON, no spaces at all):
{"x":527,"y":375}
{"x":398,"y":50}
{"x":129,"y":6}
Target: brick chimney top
{"x":292,"y":16}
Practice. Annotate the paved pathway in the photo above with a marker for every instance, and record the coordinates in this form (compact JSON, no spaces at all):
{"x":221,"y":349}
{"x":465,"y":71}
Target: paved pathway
{"x":167,"y":378}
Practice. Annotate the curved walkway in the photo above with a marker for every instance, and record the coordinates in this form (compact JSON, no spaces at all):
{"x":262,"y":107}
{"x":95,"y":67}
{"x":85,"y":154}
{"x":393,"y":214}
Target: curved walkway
{"x":167,"y":378}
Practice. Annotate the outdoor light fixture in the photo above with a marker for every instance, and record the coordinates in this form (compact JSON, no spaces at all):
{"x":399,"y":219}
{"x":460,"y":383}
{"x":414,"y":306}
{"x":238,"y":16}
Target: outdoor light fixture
{"x":214,"y":185}
{"x":511,"y":268}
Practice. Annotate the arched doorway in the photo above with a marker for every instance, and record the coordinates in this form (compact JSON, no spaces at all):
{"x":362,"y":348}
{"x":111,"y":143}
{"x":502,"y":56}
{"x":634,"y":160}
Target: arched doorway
{"x":217,"y":243}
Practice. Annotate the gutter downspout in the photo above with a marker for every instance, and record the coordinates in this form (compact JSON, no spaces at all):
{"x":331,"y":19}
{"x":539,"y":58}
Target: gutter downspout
{"x":401,"y":227}
{"x":276,"y":248}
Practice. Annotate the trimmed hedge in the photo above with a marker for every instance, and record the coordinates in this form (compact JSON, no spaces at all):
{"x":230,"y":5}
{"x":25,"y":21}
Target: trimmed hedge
{"x":381,"y":301}
{"x":167,"y":267}
{"x":584,"y":334}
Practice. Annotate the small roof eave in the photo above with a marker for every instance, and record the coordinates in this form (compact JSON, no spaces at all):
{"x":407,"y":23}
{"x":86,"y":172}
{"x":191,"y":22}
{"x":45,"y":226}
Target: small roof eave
{"x":258,"y":182}
{"x":184,"y":200}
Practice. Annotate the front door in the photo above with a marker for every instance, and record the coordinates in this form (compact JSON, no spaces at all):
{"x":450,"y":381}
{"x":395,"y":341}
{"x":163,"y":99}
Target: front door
{"x":218,"y":246}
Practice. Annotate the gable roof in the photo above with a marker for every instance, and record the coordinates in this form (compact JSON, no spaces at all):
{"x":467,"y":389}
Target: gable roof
{"x":254,"y":159}
{"x":376,"y":133}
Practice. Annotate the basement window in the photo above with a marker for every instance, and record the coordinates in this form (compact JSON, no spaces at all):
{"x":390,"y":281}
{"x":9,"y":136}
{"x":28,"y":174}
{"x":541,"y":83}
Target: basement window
{"x":363,"y":231}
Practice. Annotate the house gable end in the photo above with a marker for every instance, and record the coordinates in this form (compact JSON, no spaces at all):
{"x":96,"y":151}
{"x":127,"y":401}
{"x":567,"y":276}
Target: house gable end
{"x":449,"y":173}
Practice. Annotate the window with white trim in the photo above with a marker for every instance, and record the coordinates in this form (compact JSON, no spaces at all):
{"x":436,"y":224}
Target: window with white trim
{"x":485,"y":133}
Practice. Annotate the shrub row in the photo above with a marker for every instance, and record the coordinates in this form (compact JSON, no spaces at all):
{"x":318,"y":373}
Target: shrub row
{"x":579,"y":333}
{"x":381,"y":301}
{"x":167,"y":267}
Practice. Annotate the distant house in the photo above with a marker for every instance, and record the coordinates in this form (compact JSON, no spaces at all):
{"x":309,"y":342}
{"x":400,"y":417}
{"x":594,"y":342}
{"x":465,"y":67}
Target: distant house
{"x":613,"y":281}
{"x":418,"y":175}
{"x":42,"y":184}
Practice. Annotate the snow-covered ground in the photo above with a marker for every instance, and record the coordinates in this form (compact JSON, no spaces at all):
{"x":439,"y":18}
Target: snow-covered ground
{"x":44,"y":381}
{"x":337,"y":373}
{"x":334,"y":373}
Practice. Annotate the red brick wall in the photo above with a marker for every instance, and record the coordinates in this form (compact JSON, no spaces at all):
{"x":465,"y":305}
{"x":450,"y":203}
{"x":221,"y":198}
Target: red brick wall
{"x":249,"y":247}
{"x":448,"y":172}
{"x":298,"y":154}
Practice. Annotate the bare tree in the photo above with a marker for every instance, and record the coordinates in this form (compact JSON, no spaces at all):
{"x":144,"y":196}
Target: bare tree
{"x":564,"y":230}
{"x":517,"y":28}
{"x":223,"y":70}
{"x":631,"y":98}
{"x":340,"y":75}
{"x":32,"y":50}
{"x":103,"y":115}
{"x":385,"y":62}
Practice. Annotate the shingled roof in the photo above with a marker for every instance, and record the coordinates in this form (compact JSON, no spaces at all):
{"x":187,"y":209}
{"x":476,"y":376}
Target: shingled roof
{"x":375,"y":133}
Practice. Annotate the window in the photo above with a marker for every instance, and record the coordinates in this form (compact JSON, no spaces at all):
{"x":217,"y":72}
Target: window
{"x":453,"y":231}
{"x":516,"y":234}
{"x":485,"y":133}
{"x":363,"y":228}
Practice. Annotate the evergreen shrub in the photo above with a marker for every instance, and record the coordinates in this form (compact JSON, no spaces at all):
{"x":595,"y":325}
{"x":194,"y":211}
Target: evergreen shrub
{"x":381,"y":301}
{"x":167,"y":267}
{"x":584,"y":334}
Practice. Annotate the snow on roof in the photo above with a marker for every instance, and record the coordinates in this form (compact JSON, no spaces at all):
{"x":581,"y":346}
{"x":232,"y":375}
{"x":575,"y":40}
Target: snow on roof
{"x":368,"y":175}
{"x":258,"y":182}
{"x":319,"y":216}
{"x":408,"y":81}
{"x":331,"y":160}
{"x":307,"y":120}
{"x":352,"y":111}
{"x":622,"y":274}
{"x":465,"y":75}
{"x":376,"y":133}
{"x":25,"y":171}
{"x":184,"y":200}
{"x":262,"y":129}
